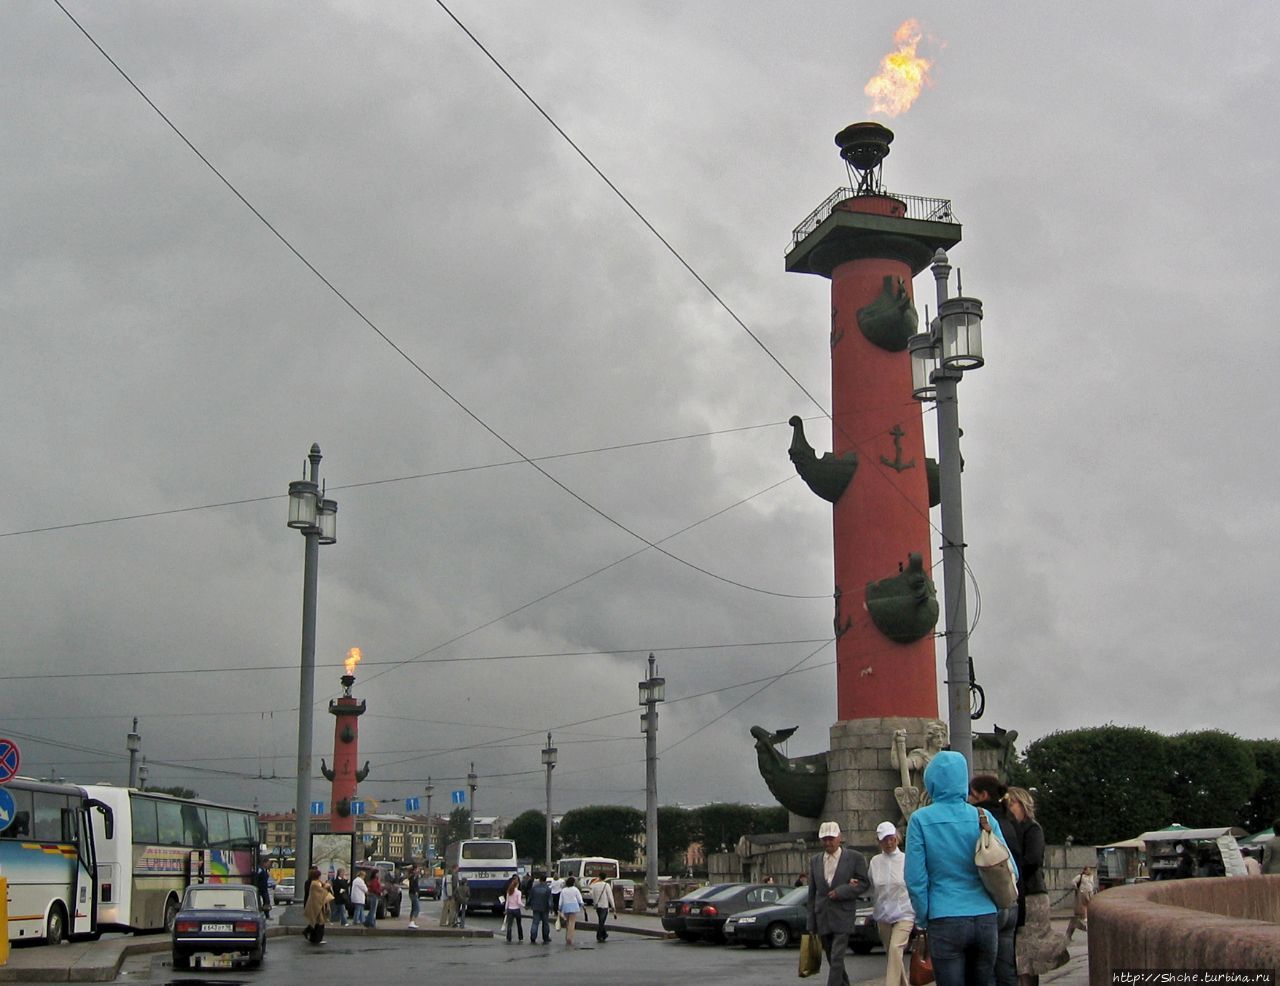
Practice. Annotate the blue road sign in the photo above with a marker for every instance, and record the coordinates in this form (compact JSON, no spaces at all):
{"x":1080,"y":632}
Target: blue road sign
{"x":458,"y":797}
{"x":10,"y":760}
{"x":357,"y":807}
{"x":7,"y":808}
{"x":412,"y":804}
{"x":317,"y":807}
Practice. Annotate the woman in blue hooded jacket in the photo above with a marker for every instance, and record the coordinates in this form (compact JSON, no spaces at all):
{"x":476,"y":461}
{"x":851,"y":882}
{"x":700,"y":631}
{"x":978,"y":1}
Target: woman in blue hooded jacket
{"x":942,"y":880}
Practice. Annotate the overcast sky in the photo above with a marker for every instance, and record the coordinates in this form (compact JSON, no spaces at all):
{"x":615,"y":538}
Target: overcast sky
{"x":168,"y":362}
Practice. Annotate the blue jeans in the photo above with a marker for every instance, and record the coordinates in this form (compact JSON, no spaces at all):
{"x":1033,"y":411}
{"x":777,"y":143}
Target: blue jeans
{"x":358,"y":915}
{"x":338,"y":912}
{"x":415,"y":906}
{"x":1006,"y":956}
{"x":539,"y":918}
{"x":371,"y":911}
{"x":964,"y":950}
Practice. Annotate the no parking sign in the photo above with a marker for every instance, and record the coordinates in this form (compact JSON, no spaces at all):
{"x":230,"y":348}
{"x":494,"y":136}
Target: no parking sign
{"x":10,"y":760}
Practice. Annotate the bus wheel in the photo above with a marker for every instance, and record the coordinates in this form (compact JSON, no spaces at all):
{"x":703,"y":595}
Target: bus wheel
{"x":55,"y":928}
{"x":170,"y":912}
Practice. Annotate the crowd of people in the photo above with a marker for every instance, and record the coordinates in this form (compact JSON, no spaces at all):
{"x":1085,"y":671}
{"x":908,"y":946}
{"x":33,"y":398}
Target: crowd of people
{"x":934,"y":889}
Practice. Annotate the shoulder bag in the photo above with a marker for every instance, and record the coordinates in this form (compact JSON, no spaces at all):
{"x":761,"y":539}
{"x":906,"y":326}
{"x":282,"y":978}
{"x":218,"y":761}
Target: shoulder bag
{"x":995,"y":865}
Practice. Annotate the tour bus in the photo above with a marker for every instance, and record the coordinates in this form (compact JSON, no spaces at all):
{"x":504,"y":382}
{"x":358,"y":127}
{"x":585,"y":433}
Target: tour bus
{"x":47,"y":857}
{"x":486,"y":865}
{"x":587,"y":869}
{"x":159,"y":846}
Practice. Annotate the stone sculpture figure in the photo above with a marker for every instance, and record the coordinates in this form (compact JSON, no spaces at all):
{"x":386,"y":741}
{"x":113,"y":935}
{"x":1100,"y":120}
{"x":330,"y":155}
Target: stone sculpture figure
{"x":911,"y":795}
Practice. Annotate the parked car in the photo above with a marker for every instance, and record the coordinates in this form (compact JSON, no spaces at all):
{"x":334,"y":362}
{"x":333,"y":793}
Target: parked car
{"x":782,"y":923}
{"x":428,"y":889}
{"x":283,"y":891}
{"x":624,"y":894}
{"x":675,"y":915}
{"x":707,"y":916}
{"x":220,"y":918}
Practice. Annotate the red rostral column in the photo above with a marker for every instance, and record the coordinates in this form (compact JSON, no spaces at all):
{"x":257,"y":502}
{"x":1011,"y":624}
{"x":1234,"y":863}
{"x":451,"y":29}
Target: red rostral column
{"x":871,"y":244}
{"x":346,"y":747}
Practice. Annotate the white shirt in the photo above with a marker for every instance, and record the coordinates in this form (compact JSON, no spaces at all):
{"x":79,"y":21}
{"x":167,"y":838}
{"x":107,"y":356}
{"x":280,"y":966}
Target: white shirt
{"x":892,"y":902}
{"x":358,"y":890}
{"x":830,"y":860}
{"x":570,"y":900}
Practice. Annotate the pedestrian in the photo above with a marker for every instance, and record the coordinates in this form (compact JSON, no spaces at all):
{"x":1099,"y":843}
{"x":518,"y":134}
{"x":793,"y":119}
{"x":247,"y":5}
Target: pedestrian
{"x":461,"y":895}
{"x":802,"y":880}
{"x":540,"y":906}
{"x":767,"y":880}
{"x":319,"y":897}
{"x":1085,"y":889}
{"x":892,"y":911}
{"x":513,"y":914}
{"x":986,"y":792}
{"x":415,"y":905}
{"x":947,"y":895}
{"x":837,"y":878}
{"x":602,"y":898}
{"x":262,"y":880}
{"x":359,"y":897}
{"x":1040,"y":949}
{"x":571,"y":905}
{"x":341,"y":888}
{"x":373,"y":898}
{"x":557,"y":885}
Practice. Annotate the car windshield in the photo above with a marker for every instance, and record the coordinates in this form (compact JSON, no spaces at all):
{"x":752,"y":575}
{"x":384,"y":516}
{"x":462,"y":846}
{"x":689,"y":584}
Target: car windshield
{"x":213,"y":898}
{"x":730,"y":891}
{"x":796,"y":896}
{"x":703,"y":892}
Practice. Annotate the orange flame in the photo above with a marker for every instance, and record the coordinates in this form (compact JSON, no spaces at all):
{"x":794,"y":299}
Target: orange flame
{"x":353,"y":658}
{"x":902,"y":74}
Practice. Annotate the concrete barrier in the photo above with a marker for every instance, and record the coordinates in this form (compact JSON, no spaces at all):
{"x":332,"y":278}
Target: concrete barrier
{"x":1208,"y":923}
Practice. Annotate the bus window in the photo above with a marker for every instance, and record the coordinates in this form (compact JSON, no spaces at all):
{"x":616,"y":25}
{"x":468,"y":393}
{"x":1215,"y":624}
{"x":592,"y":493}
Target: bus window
{"x":71,"y":825}
{"x":48,"y":816}
{"x":20,"y":827}
{"x":168,"y":823}
{"x":244,"y":831}
{"x":219,"y":828}
{"x":195,"y":831}
{"x":145,"y":832}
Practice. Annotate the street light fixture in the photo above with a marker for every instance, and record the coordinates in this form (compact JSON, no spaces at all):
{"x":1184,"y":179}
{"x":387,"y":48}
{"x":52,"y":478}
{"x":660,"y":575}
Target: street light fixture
{"x":652,"y":691}
{"x":133,"y":743}
{"x":315,"y":517}
{"x":142,"y":775}
{"x":549,"y":761}
{"x":471,"y":783}
{"x":939,"y":358}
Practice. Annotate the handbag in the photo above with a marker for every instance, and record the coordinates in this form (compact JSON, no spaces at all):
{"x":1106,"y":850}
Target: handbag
{"x":810,"y":955}
{"x":995,"y":865}
{"x":558,"y":925}
{"x":921,"y":970}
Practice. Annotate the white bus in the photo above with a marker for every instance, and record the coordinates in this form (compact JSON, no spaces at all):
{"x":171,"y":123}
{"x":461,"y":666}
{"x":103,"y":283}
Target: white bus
{"x":160,"y":845}
{"x":47,"y":857}
{"x":486,"y":865}
{"x":587,"y":869}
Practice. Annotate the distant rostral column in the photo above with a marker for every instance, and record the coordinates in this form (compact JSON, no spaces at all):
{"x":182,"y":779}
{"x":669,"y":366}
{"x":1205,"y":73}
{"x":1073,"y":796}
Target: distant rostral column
{"x":871,"y":244}
{"x":346,"y":747}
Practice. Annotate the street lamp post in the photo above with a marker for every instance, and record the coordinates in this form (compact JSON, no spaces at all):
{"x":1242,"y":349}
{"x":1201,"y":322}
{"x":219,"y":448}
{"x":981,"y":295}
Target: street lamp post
{"x":549,"y":761}
{"x":471,"y":784}
{"x":652,"y":691}
{"x":316,"y":518}
{"x":142,"y":775}
{"x":939,"y":358}
{"x":431,"y":839}
{"x":133,"y":743}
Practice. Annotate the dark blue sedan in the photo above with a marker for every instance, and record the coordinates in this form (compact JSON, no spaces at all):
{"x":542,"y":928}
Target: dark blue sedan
{"x":220,"y":919}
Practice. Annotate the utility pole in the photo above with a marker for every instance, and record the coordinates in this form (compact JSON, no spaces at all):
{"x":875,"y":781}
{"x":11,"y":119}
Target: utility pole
{"x":652,"y":691}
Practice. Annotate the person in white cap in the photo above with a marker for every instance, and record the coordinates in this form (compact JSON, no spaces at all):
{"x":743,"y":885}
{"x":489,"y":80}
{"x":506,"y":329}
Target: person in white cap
{"x":893,"y":913}
{"x":837,"y":878}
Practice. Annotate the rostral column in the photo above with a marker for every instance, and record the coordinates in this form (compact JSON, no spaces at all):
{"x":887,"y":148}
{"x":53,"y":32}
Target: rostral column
{"x":870,"y":244}
{"x":346,"y":748}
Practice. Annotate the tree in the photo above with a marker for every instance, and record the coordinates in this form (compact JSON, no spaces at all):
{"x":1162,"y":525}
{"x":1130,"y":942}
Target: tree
{"x":459,"y":826}
{"x":1263,"y":806}
{"x":177,"y":792}
{"x":1101,"y":784}
{"x":1213,"y":777}
{"x":529,"y":832}
{"x":602,"y":830}
{"x":774,"y":819}
{"x":675,"y":832}
{"x":719,"y":827}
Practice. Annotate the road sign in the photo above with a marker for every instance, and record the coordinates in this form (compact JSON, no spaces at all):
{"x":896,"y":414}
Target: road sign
{"x":458,"y":797}
{"x":7,"y":809}
{"x":317,"y":807}
{"x":10,"y":760}
{"x":357,"y":807}
{"x":412,"y":804}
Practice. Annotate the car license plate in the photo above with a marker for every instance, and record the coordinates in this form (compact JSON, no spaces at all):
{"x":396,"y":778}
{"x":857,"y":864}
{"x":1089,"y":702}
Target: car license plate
{"x":215,"y":927}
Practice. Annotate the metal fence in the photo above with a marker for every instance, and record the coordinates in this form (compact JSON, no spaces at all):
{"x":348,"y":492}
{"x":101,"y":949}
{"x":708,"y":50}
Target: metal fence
{"x":918,"y":207}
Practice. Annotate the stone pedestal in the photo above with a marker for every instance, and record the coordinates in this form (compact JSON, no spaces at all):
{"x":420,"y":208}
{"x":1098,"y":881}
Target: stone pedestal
{"x":861,"y":777}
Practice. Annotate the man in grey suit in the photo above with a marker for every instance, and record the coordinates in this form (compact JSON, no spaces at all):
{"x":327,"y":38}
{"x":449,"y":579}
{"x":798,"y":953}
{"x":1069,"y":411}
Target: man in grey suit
{"x":837,"y":878}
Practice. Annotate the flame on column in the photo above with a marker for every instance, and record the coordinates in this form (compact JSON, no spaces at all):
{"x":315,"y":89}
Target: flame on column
{"x":902,"y":73}
{"x":352,"y":659}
